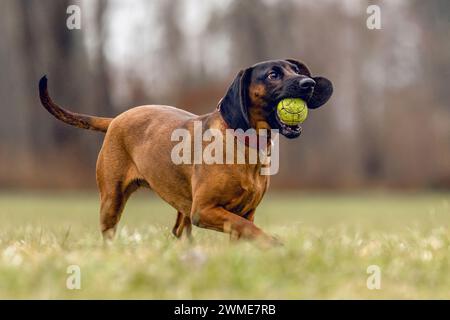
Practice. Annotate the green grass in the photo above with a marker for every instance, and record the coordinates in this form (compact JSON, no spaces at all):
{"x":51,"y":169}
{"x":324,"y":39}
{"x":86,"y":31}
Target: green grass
{"x":330,"y":240}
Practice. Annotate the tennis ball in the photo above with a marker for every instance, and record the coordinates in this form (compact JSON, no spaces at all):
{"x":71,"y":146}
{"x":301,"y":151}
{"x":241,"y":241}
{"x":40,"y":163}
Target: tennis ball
{"x":292,"y":111}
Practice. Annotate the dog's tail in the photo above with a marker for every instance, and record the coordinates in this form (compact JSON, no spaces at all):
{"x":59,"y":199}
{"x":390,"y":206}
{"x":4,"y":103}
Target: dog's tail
{"x":75,"y":119}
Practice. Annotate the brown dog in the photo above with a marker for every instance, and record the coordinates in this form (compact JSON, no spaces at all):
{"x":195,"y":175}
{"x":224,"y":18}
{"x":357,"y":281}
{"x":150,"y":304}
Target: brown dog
{"x":137,"y":148}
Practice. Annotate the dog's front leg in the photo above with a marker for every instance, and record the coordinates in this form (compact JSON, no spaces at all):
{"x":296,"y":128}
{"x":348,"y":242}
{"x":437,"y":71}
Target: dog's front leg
{"x":250,"y":216}
{"x":219,"y":219}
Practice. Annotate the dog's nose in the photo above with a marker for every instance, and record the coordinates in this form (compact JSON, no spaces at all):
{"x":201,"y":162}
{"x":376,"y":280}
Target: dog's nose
{"x":307,"y":83}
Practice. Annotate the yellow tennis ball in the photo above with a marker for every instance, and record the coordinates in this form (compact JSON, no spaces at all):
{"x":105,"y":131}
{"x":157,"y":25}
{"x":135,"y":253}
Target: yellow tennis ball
{"x":292,"y":111}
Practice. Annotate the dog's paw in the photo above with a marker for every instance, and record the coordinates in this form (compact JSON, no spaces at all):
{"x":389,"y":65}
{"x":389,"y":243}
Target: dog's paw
{"x":276,"y":242}
{"x":268,"y":241}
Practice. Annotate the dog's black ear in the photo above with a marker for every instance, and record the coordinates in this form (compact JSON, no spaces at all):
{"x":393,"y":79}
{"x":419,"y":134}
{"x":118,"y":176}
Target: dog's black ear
{"x":234,"y":105}
{"x":301,"y":67}
{"x":322,"y":92}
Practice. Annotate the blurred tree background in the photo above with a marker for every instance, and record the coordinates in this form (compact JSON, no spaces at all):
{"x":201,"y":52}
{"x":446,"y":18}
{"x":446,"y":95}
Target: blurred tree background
{"x":387,"y":125}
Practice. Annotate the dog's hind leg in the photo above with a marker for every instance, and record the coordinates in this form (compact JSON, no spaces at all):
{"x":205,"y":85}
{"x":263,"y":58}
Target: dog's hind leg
{"x":112,"y":204}
{"x":181,"y":223}
{"x":113,"y":201}
{"x":116,"y":183}
{"x":177,"y":229}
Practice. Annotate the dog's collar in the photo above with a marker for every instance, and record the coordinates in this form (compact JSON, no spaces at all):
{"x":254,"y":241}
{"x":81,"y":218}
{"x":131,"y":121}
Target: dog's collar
{"x":251,"y":141}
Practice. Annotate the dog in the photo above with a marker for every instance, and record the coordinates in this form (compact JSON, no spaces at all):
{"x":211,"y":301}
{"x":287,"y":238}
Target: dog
{"x":136,"y":151}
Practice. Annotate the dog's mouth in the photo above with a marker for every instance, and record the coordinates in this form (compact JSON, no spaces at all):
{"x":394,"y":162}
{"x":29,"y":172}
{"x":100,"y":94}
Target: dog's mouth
{"x":289,"y":131}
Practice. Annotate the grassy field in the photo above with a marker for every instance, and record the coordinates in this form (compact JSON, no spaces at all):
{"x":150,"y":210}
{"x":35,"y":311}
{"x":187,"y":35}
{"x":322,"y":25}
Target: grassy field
{"x":330,"y":240}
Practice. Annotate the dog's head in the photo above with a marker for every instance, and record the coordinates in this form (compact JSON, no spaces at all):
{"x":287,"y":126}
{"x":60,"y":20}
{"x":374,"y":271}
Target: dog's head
{"x":252,"y":98}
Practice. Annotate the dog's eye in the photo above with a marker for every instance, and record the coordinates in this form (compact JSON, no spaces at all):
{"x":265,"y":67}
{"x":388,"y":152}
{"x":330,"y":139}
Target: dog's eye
{"x":273,"y":75}
{"x":296,"y":69}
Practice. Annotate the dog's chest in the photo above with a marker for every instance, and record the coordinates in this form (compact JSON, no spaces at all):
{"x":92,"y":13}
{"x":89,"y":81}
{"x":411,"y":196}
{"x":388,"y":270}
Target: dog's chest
{"x":249,"y":193}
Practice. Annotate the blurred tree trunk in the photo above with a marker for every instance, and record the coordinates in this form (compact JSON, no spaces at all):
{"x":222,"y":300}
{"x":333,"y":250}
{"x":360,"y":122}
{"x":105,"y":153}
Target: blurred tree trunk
{"x":102,"y":98}
{"x":35,"y":42}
